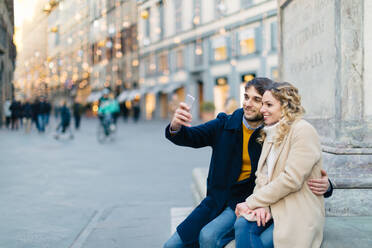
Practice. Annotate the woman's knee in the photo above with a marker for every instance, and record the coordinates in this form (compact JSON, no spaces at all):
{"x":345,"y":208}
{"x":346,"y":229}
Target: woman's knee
{"x":240,"y":224}
{"x":243,"y":225}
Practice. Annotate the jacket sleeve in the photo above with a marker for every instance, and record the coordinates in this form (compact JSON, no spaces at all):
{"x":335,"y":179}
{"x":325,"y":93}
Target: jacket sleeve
{"x":329,"y":192}
{"x":198,"y":136}
{"x":304,"y":153}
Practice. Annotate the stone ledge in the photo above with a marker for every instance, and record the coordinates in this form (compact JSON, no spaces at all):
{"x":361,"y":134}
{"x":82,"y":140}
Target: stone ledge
{"x":347,"y":150}
{"x":351,"y":196}
{"x":340,"y":231}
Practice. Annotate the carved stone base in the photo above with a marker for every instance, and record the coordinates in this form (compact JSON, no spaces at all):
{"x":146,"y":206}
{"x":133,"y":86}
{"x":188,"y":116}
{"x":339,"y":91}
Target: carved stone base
{"x":351,"y":175}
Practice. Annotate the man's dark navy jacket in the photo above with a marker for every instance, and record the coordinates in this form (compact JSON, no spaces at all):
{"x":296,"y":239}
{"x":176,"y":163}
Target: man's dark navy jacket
{"x":225,"y":135}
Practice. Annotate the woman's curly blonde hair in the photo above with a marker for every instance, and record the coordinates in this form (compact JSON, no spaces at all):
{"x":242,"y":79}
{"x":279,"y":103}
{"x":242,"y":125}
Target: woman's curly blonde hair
{"x":291,"y":108}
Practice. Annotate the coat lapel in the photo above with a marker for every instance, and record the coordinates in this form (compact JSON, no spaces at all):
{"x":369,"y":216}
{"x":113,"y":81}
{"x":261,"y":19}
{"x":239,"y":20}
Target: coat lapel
{"x":265,"y":151}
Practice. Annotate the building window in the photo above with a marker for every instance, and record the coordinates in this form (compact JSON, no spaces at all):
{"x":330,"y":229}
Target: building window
{"x":178,"y":15}
{"x":146,"y":64}
{"x":221,"y":92}
{"x":196,"y":20}
{"x":245,"y":4}
{"x":152,"y":65}
{"x":161,"y":19}
{"x":275,"y":73}
{"x":134,"y":45}
{"x":219,"y":46}
{"x":163,"y":62}
{"x":110,"y":4}
{"x":247,"y":42}
{"x":109,"y":48}
{"x":97,"y":55}
{"x":220,"y":8}
{"x":250,"y":41}
{"x":147,"y":24}
{"x":274,"y":36}
{"x":179,"y":58}
{"x":245,"y":78}
{"x":198,"y":53}
{"x":122,"y":41}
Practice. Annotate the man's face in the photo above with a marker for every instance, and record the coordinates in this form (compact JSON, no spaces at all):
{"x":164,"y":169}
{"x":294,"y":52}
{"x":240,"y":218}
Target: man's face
{"x":252,"y":104}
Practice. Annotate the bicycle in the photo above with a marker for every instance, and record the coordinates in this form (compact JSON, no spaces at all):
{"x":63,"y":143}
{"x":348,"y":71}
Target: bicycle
{"x":106,"y":128}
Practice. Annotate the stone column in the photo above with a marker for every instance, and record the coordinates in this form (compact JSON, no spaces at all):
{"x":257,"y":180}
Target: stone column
{"x":325,"y":50}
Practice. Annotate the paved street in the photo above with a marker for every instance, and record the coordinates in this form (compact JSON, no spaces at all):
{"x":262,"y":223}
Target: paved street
{"x":81,"y":194}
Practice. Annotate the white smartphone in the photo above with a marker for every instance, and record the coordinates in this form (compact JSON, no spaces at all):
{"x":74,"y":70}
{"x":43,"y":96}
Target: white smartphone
{"x":189,"y":100}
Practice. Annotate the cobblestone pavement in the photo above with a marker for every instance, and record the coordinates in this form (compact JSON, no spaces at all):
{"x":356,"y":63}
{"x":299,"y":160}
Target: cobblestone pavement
{"x":82,"y":194}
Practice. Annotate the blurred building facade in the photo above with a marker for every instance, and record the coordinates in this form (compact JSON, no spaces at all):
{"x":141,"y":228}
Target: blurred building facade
{"x":148,"y":50}
{"x":208,"y":48}
{"x":86,"y":46}
{"x":7,"y":53}
{"x":114,"y":47}
{"x":68,"y":50}
{"x":31,"y":74}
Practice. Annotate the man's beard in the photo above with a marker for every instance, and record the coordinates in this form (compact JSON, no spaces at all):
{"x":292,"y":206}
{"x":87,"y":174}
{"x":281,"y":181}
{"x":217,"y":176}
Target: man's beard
{"x":255,"y":118}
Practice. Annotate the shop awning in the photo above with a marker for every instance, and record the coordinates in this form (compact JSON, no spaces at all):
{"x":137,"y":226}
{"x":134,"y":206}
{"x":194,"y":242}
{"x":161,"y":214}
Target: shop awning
{"x":157,"y":88}
{"x":169,"y":88}
{"x":133,"y":93}
{"x":94,"y":96}
{"x":123,"y":96}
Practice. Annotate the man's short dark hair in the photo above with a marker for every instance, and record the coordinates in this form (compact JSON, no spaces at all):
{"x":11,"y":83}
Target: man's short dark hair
{"x":261,"y":84}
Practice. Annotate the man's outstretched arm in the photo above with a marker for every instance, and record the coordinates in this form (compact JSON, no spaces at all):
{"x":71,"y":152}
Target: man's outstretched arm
{"x":180,"y":132}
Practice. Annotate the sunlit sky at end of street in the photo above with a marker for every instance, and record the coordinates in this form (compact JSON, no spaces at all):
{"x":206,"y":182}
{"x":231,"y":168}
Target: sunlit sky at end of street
{"x":23,"y":10}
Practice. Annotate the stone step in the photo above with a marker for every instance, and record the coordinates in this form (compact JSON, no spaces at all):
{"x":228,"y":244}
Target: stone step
{"x":178,"y":215}
{"x":340,"y":231}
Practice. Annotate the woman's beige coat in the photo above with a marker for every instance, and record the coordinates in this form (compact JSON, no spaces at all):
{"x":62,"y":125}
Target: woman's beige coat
{"x":298,"y":214}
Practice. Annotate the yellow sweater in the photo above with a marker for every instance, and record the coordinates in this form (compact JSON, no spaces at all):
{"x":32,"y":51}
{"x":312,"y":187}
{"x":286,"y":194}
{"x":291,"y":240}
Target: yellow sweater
{"x":246,"y":166}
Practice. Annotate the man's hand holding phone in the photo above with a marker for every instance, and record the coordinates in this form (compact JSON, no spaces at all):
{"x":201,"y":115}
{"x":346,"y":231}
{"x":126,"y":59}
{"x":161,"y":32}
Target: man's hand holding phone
{"x":182,"y":115}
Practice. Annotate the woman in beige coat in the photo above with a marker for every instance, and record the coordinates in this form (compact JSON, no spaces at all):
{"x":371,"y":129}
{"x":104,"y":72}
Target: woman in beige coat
{"x":291,"y":155}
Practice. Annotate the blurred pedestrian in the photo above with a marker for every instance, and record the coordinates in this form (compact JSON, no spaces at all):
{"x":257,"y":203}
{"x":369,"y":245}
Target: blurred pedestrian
{"x":116,"y":107}
{"x":27,"y":114}
{"x":35,"y":113}
{"x":108,"y":106}
{"x":136,"y":110}
{"x":42,"y":114}
{"x":16,"y":110}
{"x":48,"y":110}
{"x":7,"y":113}
{"x":56,"y":110}
{"x":77,"y":111}
{"x":65,"y":120}
{"x":124,"y":110}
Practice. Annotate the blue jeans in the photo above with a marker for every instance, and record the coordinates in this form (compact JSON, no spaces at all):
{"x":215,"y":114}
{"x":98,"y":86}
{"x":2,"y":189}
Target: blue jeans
{"x":41,"y":122}
{"x":248,"y":234}
{"x":219,"y":232}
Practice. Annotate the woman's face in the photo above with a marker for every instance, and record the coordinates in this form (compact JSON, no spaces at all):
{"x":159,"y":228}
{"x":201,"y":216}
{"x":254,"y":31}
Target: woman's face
{"x":270,"y":109}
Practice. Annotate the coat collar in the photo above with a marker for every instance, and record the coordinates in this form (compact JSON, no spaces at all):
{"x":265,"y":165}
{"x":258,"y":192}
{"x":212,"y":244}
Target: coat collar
{"x":234,"y":121}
